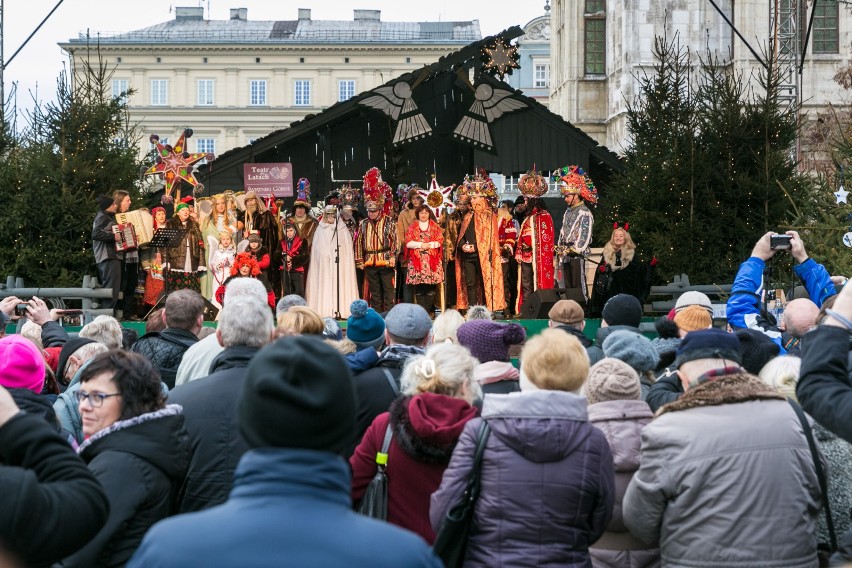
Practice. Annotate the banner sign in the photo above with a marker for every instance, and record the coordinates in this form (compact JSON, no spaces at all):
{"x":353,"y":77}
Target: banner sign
{"x":275,"y":179}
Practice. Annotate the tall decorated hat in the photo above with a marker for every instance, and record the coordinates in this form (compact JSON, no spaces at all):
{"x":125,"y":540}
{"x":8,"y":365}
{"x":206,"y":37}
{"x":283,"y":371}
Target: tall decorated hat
{"x":350,"y":197}
{"x":532,"y":184}
{"x":574,"y":181}
{"x":480,"y":185}
{"x":303,"y":194}
{"x":378,"y":195}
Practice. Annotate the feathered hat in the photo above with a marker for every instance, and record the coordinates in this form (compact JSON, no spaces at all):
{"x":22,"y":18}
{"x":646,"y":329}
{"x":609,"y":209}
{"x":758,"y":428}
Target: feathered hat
{"x":437,"y":198}
{"x":378,"y":195}
{"x":303,"y":194}
{"x":243,"y":259}
{"x":532,"y":184}
{"x":575,"y":181}
{"x":480,"y":185}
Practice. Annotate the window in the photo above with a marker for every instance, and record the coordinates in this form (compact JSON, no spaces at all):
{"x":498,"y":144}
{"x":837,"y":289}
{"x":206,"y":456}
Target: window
{"x":159,"y":60}
{"x":301,"y":60}
{"x":257,"y":59}
{"x":257,"y":92}
{"x":346,"y":60}
{"x":345,"y":89}
{"x":826,"y":36}
{"x":302,"y":93}
{"x":205,"y":92}
{"x":159,"y":92}
{"x":408,"y":60}
{"x":541,"y":75}
{"x":595,"y":37}
{"x":118,"y":59}
{"x":204,"y":60}
{"x":119,"y":88}
{"x":206,"y":145}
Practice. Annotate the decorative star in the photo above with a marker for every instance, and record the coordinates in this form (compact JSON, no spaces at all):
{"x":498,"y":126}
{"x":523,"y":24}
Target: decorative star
{"x":437,"y":198}
{"x":500,"y":58}
{"x":841,"y":194}
{"x":174,"y":163}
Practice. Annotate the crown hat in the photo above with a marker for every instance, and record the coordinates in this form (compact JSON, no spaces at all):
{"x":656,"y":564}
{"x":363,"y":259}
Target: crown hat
{"x":532,"y":184}
{"x":480,"y":185}
{"x":349,"y":196}
{"x":303,"y":193}
{"x":575,"y":181}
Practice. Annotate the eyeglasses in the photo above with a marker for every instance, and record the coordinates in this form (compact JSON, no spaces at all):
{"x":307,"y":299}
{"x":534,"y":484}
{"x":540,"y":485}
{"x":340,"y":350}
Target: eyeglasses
{"x":96,"y":399}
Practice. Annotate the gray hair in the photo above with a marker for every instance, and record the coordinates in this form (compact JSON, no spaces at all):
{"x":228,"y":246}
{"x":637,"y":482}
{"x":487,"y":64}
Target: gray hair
{"x":444,"y":369}
{"x":782,"y":374}
{"x":287,"y":302}
{"x":104,"y":329}
{"x":183,"y":308}
{"x":478,"y":313}
{"x":246,"y":320}
{"x":245,"y":287}
{"x":32,"y":331}
{"x":89,"y":350}
{"x":445,"y":326}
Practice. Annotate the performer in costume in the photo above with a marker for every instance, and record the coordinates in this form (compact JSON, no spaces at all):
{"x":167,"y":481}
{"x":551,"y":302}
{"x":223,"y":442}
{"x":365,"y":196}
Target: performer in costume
{"x":403,"y":221}
{"x":508,"y":234}
{"x":423,"y":244}
{"x":301,"y":219}
{"x":245,"y":266}
{"x":154,"y":284}
{"x":622,"y":271}
{"x":212,"y":226}
{"x":534,"y":251}
{"x":576,"y":234}
{"x":325,"y":275}
{"x":186,"y":259}
{"x":259,"y":252}
{"x":257,"y":217}
{"x":222,"y":254}
{"x":479,"y":275}
{"x":294,"y":258}
{"x":376,"y":244}
{"x":452,"y":225}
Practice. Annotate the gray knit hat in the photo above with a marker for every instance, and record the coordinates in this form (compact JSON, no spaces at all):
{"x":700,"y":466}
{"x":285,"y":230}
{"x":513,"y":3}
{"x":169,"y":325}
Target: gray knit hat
{"x":612,"y":379}
{"x":634,"y":349}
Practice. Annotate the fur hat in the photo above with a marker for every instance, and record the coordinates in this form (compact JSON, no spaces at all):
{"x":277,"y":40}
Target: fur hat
{"x":408,"y":321}
{"x":693,"y":298}
{"x":693,"y":318}
{"x":612,"y":379}
{"x":365,"y":327}
{"x":708,"y":344}
{"x":489,"y":340}
{"x":756,"y":349}
{"x":21,"y":364}
{"x":254,"y":237}
{"x":298,"y":393}
{"x":634,"y":349}
{"x":567,"y":312}
{"x":622,"y":309}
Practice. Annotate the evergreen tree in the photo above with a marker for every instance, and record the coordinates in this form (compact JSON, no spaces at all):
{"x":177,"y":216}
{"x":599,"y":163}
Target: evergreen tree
{"x":75,"y":149}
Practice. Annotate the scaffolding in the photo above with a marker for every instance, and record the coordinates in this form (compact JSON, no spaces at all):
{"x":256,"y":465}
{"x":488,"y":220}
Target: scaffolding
{"x":784,"y":25}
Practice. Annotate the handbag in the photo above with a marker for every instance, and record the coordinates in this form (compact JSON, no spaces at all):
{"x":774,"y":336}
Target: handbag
{"x":451,"y":544}
{"x":374,"y":503}
{"x":823,"y":551}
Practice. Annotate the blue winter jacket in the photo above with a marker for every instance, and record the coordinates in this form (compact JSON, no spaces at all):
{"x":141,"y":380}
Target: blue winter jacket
{"x":743,"y":309}
{"x":289,"y":507}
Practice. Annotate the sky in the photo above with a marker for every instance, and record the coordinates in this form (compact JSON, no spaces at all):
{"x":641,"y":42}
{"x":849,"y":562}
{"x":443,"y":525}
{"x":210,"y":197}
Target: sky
{"x":36,"y":68}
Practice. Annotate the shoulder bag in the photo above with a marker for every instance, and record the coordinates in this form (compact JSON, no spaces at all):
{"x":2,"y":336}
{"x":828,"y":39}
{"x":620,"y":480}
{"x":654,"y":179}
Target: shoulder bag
{"x":374,"y":503}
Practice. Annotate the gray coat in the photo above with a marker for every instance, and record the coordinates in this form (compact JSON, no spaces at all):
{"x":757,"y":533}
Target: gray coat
{"x":726,"y":479}
{"x":547,"y":482}
{"x":622,"y":422}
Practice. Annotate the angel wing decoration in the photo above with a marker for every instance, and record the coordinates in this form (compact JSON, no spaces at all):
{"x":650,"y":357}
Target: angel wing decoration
{"x":489,"y":104}
{"x":396,"y":102}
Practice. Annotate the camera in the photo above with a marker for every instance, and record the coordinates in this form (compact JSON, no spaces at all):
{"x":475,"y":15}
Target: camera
{"x":780,"y":242}
{"x":21,"y":309}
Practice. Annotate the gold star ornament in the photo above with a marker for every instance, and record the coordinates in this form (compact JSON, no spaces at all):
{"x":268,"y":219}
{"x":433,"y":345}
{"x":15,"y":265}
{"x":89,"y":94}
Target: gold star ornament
{"x":500,"y":58}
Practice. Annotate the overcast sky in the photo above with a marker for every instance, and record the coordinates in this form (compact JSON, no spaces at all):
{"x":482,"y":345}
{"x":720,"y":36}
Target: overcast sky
{"x":37,"y":66}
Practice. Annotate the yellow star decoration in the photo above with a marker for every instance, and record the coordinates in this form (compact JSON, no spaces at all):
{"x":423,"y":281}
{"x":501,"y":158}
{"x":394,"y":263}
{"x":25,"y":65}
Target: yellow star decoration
{"x":501,"y":58}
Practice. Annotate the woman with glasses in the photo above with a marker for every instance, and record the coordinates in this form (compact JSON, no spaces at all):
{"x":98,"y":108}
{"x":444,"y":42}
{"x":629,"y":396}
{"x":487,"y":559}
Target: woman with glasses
{"x":135,"y":445}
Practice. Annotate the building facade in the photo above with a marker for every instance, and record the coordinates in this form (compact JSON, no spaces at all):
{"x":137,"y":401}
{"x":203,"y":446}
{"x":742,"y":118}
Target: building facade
{"x":234,"y":81}
{"x":533,"y":78}
{"x":600,"y":46}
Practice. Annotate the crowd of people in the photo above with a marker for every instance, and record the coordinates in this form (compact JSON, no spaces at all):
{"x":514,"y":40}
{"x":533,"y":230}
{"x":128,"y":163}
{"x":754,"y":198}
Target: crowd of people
{"x":420,"y":248}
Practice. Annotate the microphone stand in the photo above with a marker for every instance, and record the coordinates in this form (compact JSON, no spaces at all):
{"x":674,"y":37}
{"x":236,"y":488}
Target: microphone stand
{"x":337,"y":257}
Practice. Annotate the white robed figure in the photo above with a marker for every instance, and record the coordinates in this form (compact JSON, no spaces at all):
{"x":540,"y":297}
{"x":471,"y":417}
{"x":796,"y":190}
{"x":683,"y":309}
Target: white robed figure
{"x":323,"y":276}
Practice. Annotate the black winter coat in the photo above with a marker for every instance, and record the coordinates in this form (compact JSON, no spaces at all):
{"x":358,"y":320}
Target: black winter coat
{"x":375,"y":394}
{"x":594,"y":351}
{"x":45,"y":489}
{"x":825,"y":389}
{"x":165,"y":350}
{"x":216,"y":446}
{"x":140,"y":462}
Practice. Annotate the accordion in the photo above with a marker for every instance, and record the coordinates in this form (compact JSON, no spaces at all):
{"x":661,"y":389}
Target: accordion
{"x":143,"y":227}
{"x":127,"y":240}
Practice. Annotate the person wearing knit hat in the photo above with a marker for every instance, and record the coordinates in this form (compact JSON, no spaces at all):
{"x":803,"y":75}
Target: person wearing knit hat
{"x":622,"y":309}
{"x":692,"y":318}
{"x":667,"y":341}
{"x":693,"y":298}
{"x":616,"y":408}
{"x":408,"y":321}
{"x":756,"y":349}
{"x":637,"y":351}
{"x":365,"y":327}
{"x":489,"y":342}
{"x":291,"y":495}
{"x":21,"y":364}
{"x":66,"y":367}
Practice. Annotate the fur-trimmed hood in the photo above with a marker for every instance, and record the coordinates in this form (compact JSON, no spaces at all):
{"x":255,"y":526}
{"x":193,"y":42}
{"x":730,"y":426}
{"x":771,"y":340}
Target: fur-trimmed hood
{"x":158,"y":437}
{"x":626,"y":256}
{"x":730,"y":389}
{"x":427,"y":426}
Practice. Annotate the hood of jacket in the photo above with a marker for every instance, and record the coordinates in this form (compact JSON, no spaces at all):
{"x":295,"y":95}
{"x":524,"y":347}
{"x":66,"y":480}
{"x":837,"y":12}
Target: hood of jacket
{"x":32,"y":403}
{"x":157,"y":437}
{"x":427,"y":426}
{"x":622,"y":422}
{"x":581,"y":337}
{"x":543,"y":426}
{"x":231,"y":357}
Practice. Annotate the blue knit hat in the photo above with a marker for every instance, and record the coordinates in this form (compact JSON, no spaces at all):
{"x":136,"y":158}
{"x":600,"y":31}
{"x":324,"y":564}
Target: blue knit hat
{"x":365,"y":327}
{"x":634,"y":349}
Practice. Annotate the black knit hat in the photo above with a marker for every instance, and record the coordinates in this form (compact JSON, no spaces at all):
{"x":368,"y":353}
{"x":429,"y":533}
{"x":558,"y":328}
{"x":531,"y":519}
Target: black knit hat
{"x":708,"y":344}
{"x":104,"y":202}
{"x":622,"y":309}
{"x":298,"y":393}
{"x":756,"y":349}
{"x":72,"y":345}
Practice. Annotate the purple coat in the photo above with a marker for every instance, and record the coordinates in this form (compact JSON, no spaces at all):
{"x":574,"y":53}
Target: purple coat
{"x":547,"y":482}
{"x":622,"y":422}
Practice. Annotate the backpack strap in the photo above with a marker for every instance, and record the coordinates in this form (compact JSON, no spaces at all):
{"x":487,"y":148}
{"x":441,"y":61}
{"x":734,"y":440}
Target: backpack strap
{"x":391,"y":380}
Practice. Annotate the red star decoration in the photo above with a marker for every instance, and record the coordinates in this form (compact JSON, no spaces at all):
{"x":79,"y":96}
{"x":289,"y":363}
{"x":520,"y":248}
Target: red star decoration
{"x":174,"y":164}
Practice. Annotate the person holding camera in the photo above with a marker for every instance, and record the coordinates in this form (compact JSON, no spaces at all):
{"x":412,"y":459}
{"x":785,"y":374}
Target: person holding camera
{"x":745,"y":308}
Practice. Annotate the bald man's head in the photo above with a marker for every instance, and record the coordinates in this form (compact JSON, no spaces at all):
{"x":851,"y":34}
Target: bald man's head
{"x":799,"y":317}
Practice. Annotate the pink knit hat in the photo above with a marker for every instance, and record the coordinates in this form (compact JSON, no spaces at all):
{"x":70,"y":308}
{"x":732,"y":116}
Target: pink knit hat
{"x":21,"y":364}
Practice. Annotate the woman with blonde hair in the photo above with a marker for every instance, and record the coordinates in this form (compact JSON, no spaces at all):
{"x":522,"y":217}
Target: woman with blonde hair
{"x":301,"y":320}
{"x":445,"y":326}
{"x":547,"y":475}
{"x":425,"y":423}
{"x":621,"y":271}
